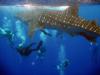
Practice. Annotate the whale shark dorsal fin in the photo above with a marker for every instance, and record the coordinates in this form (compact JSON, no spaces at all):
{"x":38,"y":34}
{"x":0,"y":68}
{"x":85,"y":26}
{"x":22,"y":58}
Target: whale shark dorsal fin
{"x":74,"y":11}
{"x":93,"y":22}
{"x":74,"y":7}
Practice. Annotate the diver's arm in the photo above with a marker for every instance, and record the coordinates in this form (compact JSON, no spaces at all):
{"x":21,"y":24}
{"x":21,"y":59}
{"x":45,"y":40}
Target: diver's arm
{"x":38,"y":46}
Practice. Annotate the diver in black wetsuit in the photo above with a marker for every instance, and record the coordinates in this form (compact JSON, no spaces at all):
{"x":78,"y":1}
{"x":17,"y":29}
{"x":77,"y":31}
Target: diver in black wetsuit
{"x":26,"y":51}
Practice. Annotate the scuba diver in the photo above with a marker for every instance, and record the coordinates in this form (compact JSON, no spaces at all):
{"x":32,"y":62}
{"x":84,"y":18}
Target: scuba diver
{"x":26,"y":51}
{"x":63,"y":65}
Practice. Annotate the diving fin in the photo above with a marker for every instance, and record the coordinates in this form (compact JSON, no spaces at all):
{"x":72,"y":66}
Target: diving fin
{"x":46,"y":33}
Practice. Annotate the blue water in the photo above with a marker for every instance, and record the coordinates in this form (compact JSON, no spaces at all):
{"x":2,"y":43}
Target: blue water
{"x":77,"y":50}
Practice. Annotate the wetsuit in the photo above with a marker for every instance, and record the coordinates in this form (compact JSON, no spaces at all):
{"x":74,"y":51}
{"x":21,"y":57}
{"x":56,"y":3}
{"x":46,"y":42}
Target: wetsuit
{"x":26,"y":51}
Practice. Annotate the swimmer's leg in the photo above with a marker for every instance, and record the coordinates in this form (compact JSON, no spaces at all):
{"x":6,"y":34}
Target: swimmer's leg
{"x":40,"y":44}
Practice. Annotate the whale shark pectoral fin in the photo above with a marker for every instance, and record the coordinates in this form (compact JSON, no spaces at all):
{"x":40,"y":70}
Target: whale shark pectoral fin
{"x":88,"y":37}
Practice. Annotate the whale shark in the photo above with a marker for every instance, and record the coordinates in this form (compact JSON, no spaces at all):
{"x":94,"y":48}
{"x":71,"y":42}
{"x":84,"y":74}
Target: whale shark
{"x":73,"y":25}
{"x":66,"y":20}
{"x":70,"y":22}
